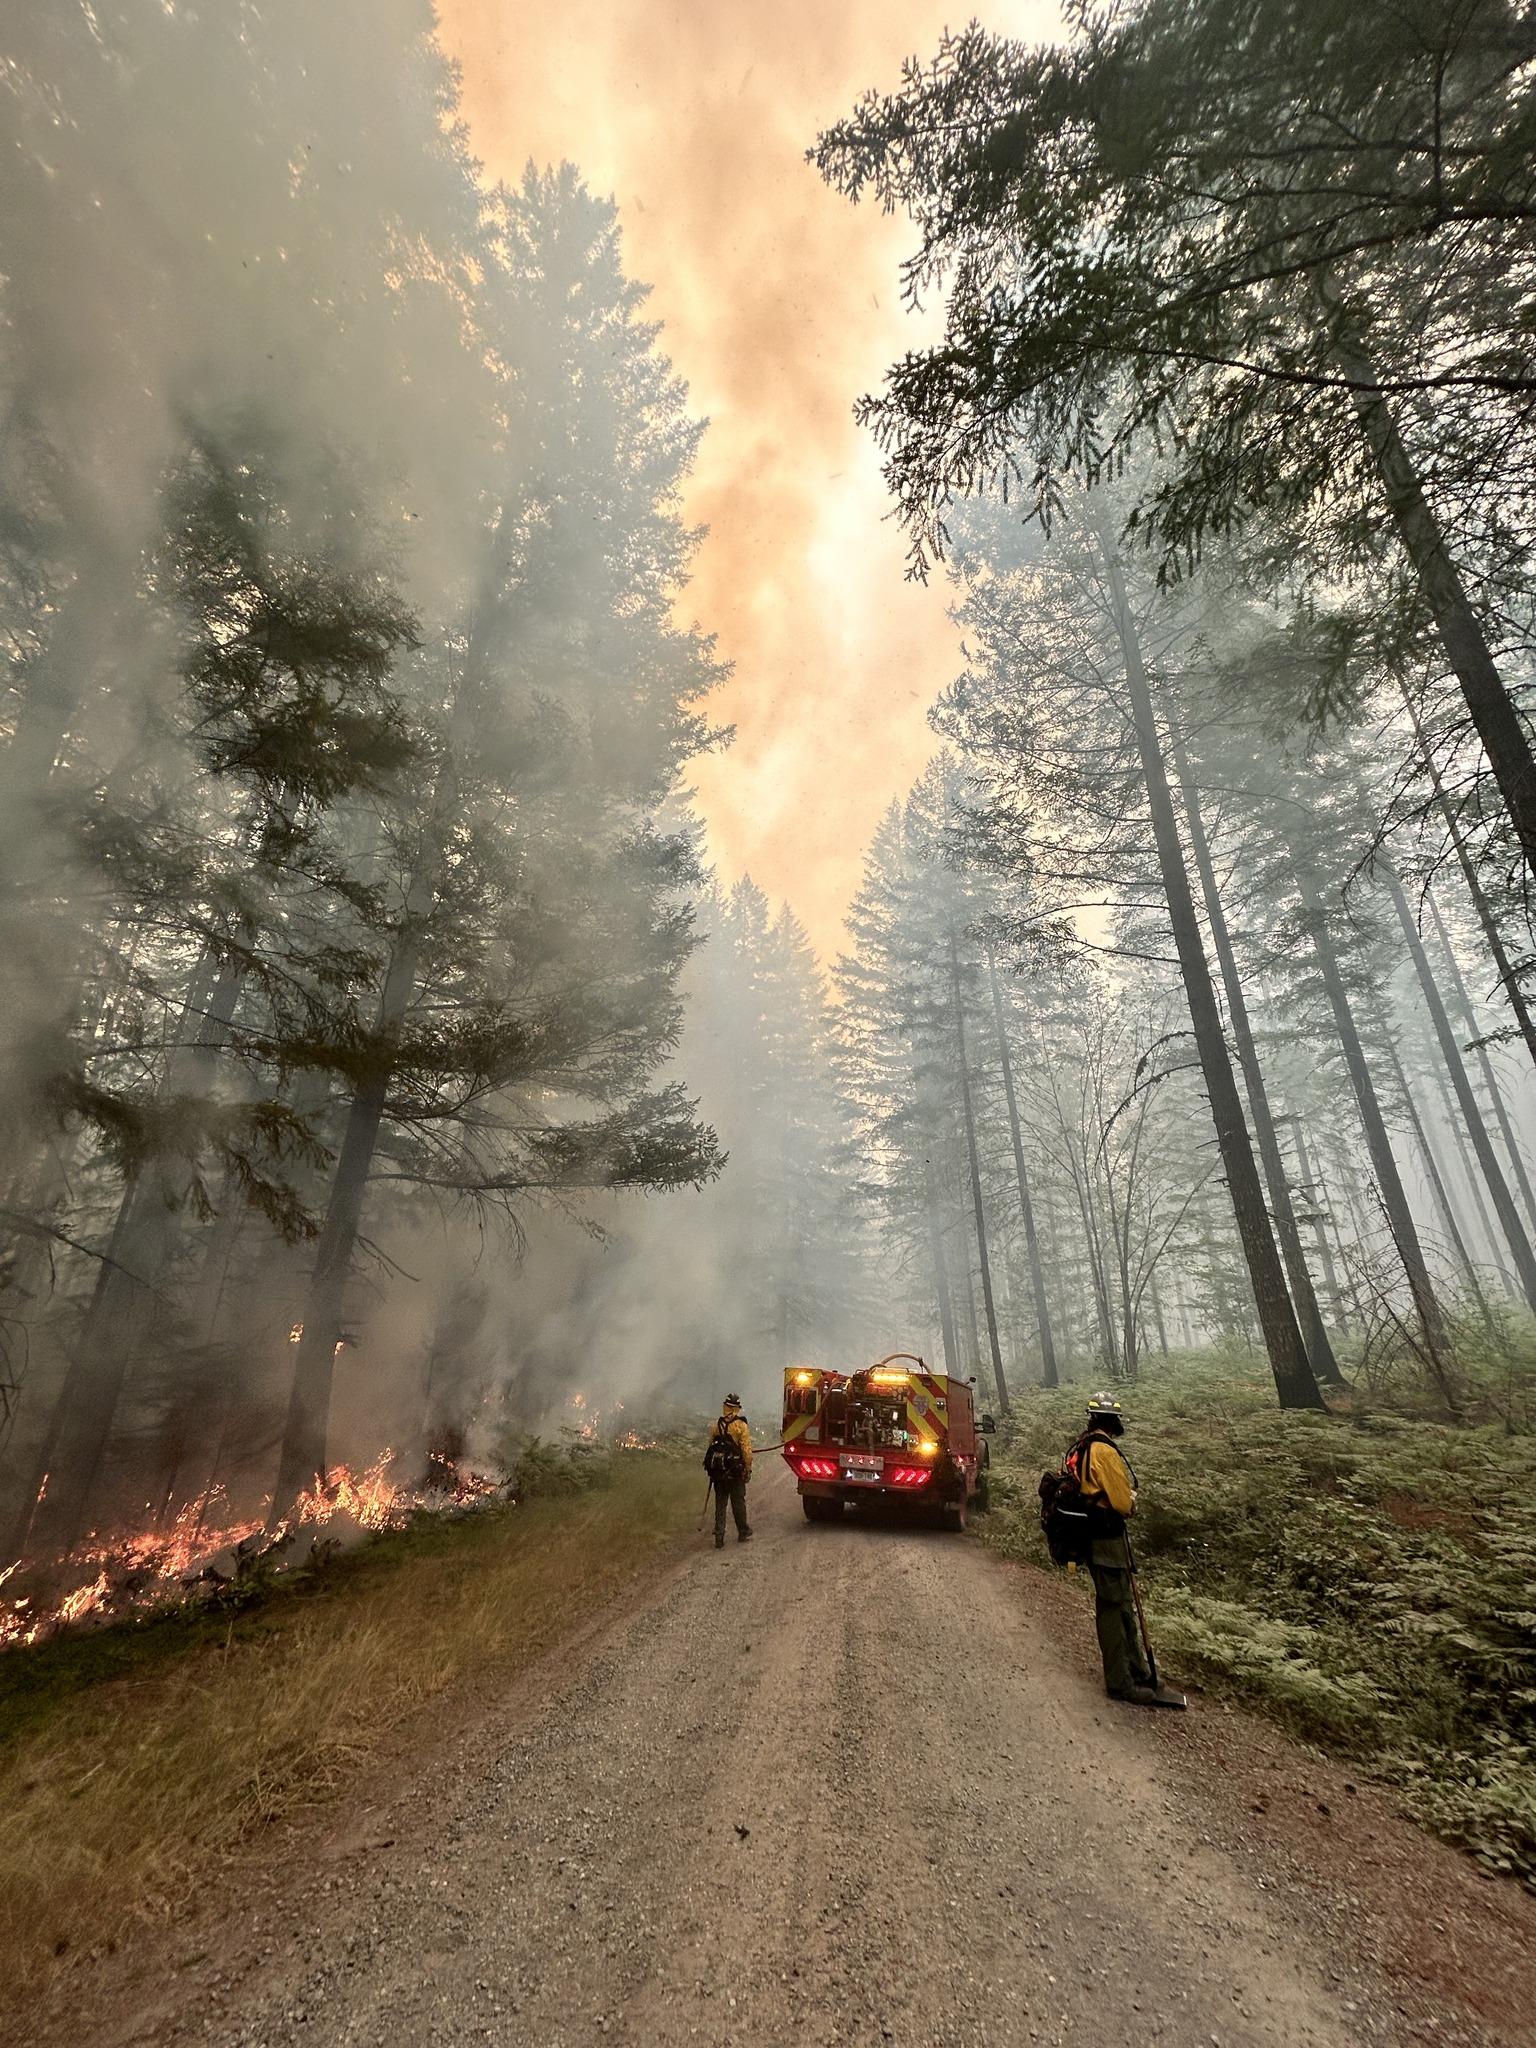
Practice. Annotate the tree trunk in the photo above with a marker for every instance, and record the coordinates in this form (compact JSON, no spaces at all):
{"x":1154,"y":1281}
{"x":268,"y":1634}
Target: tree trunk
{"x":1048,"y":1372}
{"x":1432,"y":1167}
{"x":1231,"y":1305}
{"x":1478,"y":1219}
{"x":1485,"y":917}
{"x":49,"y":901}
{"x":1319,"y":1229}
{"x":1318,"y":1343}
{"x":978,"y":1207}
{"x":940,"y":1272}
{"x":127,"y":1295}
{"x":972,"y":1330}
{"x":1498,"y":723}
{"x":1485,"y":1065}
{"x":1388,"y":1180}
{"x":1095,"y":1261}
{"x":302,"y":1457}
{"x":1295,"y":1383}
{"x":1120,"y":1235}
{"x":1498,"y":1188}
{"x":1056,"y":1285}
{"x":1181,"y":1310}
{"x":77,"y":1429}
{"x":1157,"y":1313}
{"x":1341,"y":1173}
{"x":303,"y":1451}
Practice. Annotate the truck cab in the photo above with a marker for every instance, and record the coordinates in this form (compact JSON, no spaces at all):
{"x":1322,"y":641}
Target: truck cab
{"x":892,"y":1432}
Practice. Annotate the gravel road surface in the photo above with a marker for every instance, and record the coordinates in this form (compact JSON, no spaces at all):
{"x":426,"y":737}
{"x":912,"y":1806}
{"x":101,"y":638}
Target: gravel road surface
{"x":837,"y":1785}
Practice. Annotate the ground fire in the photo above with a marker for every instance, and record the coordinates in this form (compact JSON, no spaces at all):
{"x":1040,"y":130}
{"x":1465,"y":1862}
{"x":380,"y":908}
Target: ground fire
{"x":205,"y":1546}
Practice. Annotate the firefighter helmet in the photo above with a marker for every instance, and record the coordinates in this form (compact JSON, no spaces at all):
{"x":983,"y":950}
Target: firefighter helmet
{"x":1103,"y":1404}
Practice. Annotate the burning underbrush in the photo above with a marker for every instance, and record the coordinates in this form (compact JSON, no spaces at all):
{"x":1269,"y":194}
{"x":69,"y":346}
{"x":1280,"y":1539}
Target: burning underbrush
{"x":205,"y":1552}
{"x":144,"y":1766}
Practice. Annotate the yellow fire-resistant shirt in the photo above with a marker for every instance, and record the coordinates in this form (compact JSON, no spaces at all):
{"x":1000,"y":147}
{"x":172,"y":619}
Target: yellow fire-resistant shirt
{"x":1105,"y":1473}
{"x":736,"y":1426}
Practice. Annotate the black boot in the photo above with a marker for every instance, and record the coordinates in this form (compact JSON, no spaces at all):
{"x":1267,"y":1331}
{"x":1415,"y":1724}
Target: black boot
{"x":719,"y":1539}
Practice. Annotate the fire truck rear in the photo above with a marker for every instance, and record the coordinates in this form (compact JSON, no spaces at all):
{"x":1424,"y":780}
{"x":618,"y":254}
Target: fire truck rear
{"x":893,"y":1433}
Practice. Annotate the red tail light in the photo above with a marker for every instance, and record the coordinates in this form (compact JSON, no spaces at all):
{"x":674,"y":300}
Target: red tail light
{"x":910,"y":1475}
{"x":816,"y":1468}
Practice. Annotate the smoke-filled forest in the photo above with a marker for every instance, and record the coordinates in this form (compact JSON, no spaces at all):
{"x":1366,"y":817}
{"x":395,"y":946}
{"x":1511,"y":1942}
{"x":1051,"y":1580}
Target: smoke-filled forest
{"x":410,"y":1097}
{"x":366,"y":974}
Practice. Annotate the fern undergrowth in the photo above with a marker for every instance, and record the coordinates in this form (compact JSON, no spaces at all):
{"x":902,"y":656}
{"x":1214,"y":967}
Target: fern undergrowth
{"x":1368,"y":1575}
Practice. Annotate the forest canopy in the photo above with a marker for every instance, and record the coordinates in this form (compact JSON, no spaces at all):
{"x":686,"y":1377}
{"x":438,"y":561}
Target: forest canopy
{"x":390,"y":1073}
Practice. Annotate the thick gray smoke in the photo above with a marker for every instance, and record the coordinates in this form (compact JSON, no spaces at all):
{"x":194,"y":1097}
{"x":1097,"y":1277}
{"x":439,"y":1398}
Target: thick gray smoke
{"x":347,"y":888}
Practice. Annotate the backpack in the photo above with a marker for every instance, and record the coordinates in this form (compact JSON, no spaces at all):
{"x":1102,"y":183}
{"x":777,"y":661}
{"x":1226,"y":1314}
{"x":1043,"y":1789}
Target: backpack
{"x":723,"y":1460}
{"x":1071,"y":1519}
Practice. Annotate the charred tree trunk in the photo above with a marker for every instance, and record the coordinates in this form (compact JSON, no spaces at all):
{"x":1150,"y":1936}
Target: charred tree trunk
{"x":1295,"y":1383}
{"x":1319,"y":1345}
{"x":1388,"y":1180}
{"x":978,"y":1206}
{"x":1048,"y":1373}
{"x":1510,"y":1226}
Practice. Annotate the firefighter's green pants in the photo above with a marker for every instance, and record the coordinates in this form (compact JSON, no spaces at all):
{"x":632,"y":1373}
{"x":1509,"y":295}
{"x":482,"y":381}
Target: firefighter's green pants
{"x":1125,"y":1661}
{"x":731,"y":1493}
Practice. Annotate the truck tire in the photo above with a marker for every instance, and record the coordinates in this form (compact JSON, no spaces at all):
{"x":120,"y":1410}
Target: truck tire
{"x":981,"y":1500}
{"x":819,"y":1509}
{"x":953,"y":1512}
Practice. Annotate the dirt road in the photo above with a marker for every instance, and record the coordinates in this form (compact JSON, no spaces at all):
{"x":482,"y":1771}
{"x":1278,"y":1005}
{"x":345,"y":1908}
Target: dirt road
{"x":851,"y":1785}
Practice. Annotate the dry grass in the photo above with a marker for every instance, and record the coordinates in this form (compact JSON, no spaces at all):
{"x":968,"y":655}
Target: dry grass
{"x":131,"y":1766}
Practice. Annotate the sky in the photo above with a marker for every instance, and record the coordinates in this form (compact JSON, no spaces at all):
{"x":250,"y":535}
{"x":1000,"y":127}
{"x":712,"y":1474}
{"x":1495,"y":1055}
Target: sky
{"x":780,"y":303}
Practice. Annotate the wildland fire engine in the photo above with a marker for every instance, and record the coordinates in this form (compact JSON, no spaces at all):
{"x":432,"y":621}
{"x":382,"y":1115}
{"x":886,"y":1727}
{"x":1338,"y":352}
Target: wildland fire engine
{"x":893,"y":1433}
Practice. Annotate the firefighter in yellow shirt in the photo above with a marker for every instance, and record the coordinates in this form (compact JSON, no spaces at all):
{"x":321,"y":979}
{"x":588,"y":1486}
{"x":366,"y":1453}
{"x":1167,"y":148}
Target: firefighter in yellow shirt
{"x":1109,"y":1487}
{"x":728,"y":1461}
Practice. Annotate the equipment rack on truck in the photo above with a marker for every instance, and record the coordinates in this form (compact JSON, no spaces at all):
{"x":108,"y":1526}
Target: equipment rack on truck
{"x":893,"y":1432}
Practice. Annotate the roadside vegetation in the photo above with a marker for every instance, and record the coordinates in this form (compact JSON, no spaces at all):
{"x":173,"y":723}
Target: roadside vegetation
{"x":1366,"y":1576}
{"x":134,"y":1759}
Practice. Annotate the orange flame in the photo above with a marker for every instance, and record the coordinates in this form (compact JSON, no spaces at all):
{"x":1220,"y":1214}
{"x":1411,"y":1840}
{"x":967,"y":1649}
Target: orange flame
{"x":134,"y":1572}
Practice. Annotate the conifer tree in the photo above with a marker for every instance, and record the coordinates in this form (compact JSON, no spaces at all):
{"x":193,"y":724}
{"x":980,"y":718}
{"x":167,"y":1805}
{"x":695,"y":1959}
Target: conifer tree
{"x":1290,"y":244}
{"x":542,"y":911}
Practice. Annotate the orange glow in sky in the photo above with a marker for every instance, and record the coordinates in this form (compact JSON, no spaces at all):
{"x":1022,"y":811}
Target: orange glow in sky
{"x":780,"y":306}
